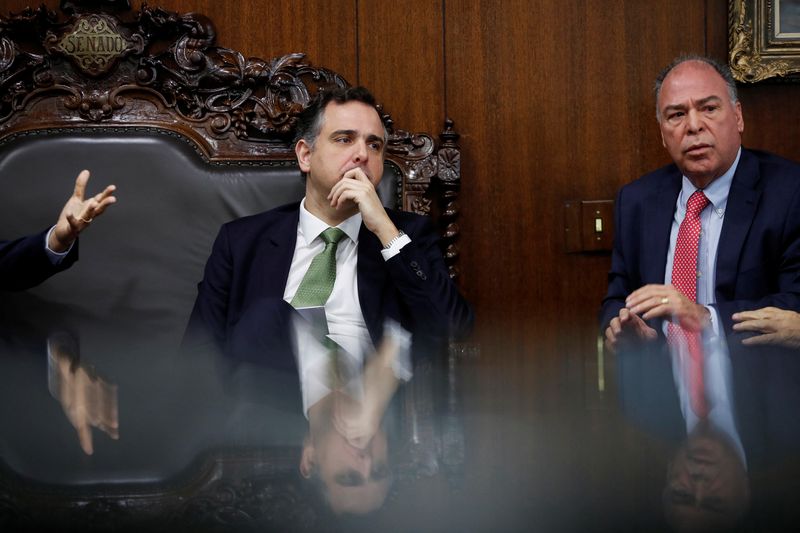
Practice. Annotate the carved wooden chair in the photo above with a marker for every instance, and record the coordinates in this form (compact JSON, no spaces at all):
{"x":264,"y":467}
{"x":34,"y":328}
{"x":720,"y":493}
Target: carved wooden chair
{"x":193,"y":135}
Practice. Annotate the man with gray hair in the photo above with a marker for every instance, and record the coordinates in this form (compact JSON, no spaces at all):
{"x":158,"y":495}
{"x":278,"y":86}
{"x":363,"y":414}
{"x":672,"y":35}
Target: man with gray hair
{"x":714,"y":233}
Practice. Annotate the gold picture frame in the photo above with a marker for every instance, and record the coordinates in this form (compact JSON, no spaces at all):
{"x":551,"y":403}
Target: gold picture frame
{"x":764,"y":39}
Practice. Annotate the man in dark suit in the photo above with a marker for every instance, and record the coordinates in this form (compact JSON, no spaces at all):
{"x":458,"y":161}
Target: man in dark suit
{"x":28,"y":261}
{"x":388,"y":265}
{"x":749,"y":245}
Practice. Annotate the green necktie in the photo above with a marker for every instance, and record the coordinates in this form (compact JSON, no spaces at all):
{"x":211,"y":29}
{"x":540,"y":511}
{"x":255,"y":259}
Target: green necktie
{"x":317,"y":284}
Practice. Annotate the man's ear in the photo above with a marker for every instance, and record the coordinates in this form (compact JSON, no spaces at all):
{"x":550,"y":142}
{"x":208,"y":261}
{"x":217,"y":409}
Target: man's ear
{"x":307,"y":459}
{"x":303,"y":152}
{"x":737,"y":109}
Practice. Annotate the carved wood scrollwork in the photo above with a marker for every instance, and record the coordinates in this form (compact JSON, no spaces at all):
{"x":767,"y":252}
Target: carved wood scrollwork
{"x":755,"y":50}
{"x":107,"y":69}
{"x":245,"y":490}
{"x":428,"y":167}
{"x":162,"y":69}
{"x":449,"y":158}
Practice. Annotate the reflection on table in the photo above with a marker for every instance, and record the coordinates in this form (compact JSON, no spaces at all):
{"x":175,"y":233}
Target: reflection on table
{"x":159,"y":435}
{"x":477,"y":441}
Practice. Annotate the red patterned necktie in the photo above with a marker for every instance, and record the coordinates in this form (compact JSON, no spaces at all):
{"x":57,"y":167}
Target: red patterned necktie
{"x":684,"y":278}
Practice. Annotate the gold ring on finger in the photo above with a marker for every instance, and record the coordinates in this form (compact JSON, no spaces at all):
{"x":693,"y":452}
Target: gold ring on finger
{"x":664,"y":300}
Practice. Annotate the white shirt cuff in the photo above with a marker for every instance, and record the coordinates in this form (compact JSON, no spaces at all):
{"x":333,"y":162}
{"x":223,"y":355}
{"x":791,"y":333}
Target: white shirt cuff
{"x":395,"y":247}
{"x":714,"y":318}
{"x":55,"y":257}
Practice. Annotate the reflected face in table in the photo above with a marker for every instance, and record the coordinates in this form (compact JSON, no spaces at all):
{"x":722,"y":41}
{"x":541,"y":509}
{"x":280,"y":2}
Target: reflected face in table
{"x":354,"y":480}
{"x":707,"y":484}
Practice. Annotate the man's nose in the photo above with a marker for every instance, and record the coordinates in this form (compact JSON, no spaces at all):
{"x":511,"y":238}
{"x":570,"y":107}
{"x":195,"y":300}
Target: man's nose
{"x":364,"y":463}
{"x":360,"y":152}
{"x":695,"y":121}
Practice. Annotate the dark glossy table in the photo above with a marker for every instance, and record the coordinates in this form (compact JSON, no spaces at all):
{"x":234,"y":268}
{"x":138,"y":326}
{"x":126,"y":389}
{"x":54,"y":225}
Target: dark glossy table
{"x":541,"y":440}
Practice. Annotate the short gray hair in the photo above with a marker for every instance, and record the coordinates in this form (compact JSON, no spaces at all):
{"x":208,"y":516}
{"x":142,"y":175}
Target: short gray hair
{"x":721,"y":69}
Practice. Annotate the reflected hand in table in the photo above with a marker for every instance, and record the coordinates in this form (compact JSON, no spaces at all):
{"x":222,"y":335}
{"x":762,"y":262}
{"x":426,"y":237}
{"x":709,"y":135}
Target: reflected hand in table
{"x":87,"y":399}
{"x":358,"y":420}
{"x":346,"y":451}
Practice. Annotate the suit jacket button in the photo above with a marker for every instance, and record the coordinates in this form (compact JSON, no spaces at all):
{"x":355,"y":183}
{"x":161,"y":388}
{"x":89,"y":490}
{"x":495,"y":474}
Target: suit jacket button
{"x":421,"y":274}
{"x":414,"y":264}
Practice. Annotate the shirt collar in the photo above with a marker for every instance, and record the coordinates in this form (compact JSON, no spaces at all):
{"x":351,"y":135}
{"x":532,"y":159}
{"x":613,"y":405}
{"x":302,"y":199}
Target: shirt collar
{"x":310,"y":226}
{"x":716,"y":192}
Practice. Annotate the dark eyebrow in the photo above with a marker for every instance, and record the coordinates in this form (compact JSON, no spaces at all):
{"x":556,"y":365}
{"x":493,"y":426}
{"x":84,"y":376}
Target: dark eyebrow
{"x":673,"y":107}
{"x":343,"y":132}
{"x":700,"y":103}
{"x":349,"y":478}
{"x":707,"y":99}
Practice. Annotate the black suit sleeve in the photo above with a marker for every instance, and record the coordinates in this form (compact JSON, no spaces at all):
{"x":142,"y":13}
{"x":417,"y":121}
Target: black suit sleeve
{"x":775,"y":280}
{"x":424,"y":284}
{"x":620,"y":284}
{"x":208,"y":321}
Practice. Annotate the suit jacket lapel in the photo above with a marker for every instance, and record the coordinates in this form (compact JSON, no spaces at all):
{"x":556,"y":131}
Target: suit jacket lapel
{"x":656,"y":244}
{"x":741,"y":208}
{"x":275,"y":254}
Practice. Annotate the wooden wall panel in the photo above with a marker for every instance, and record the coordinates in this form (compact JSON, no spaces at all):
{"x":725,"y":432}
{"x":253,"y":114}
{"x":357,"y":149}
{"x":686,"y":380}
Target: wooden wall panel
{"x":772,"y":118}
{"x":400,"y":55}
{"x":16,"y":6}
{"x":555,"y":103}
{"x":324,"y":29}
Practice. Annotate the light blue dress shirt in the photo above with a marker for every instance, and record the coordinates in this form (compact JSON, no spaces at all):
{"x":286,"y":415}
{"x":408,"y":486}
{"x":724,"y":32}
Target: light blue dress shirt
{"x":711,"y":219}
{"x":716,"y":360}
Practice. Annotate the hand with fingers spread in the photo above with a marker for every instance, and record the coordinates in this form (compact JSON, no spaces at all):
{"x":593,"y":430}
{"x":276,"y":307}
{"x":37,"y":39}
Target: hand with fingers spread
{"x":776,"y":326}
{"x":667,"y":302}
{"x":78,"y":213}
{"x":356,"y":187}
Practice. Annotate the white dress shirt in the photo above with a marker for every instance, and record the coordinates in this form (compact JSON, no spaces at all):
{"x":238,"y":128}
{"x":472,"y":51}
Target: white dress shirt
{"x":345,"y":321}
